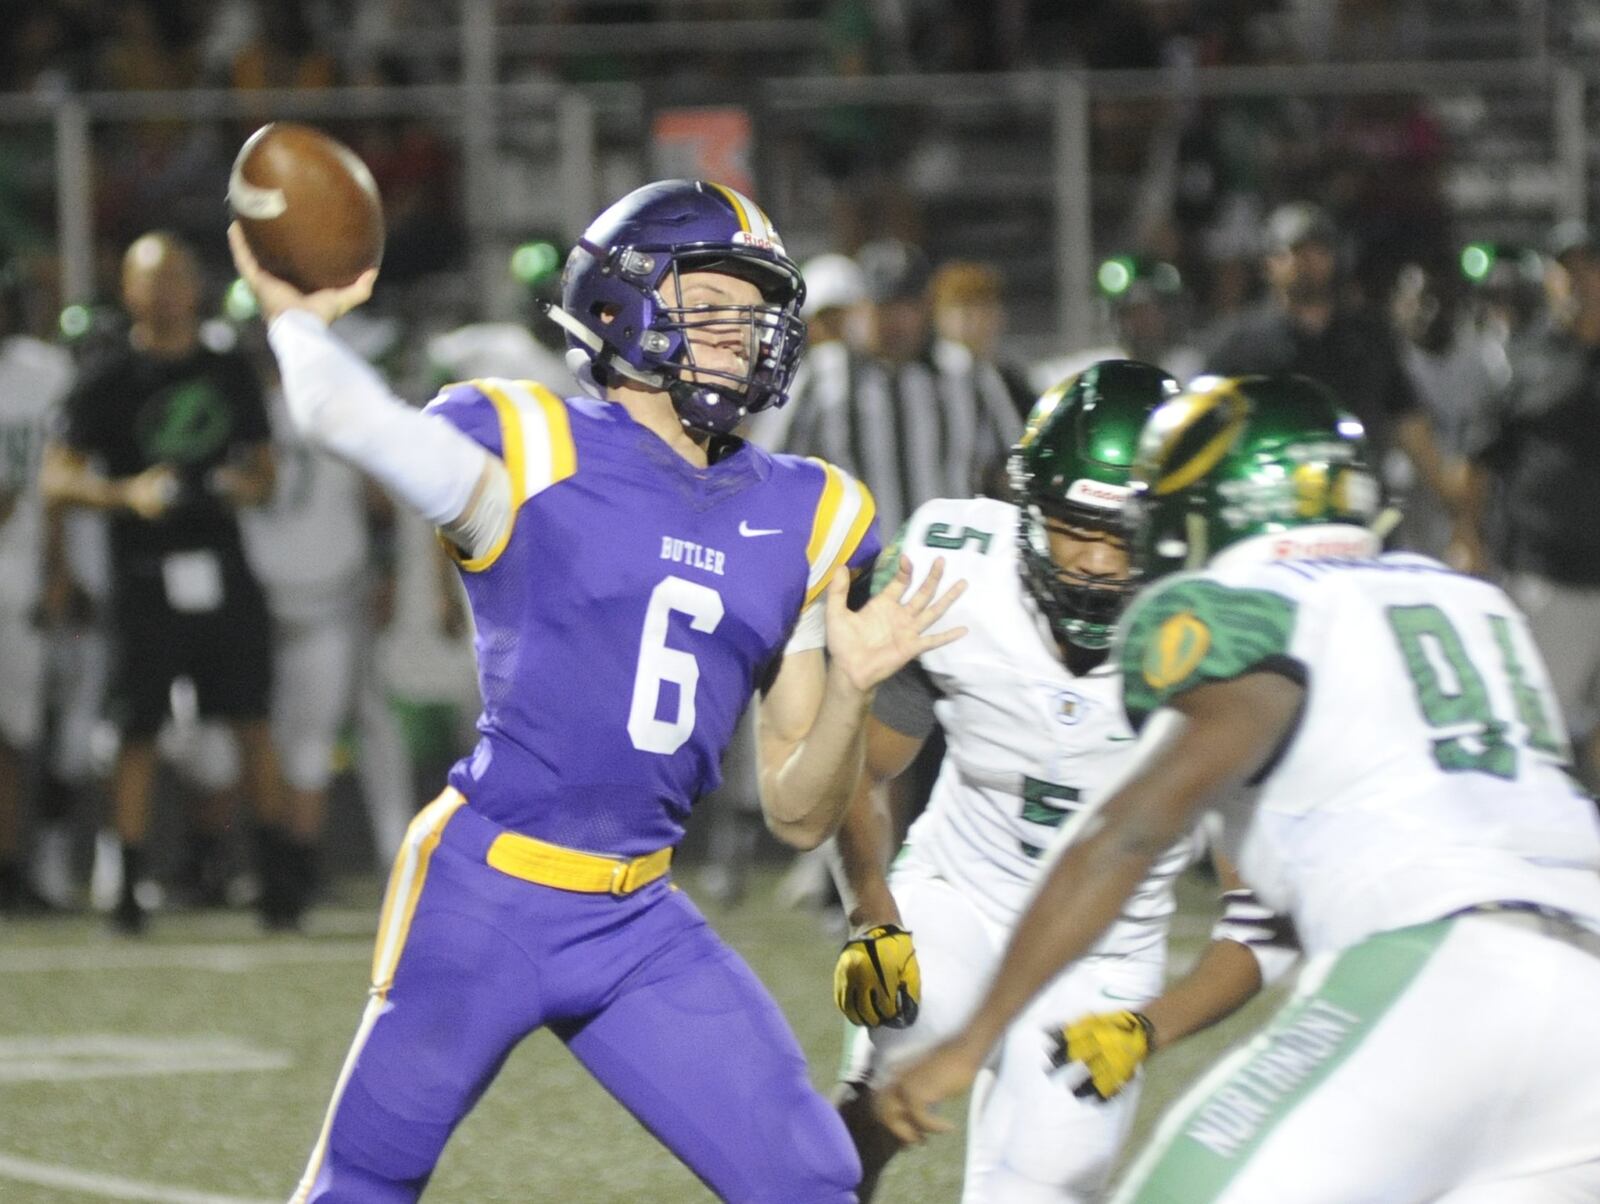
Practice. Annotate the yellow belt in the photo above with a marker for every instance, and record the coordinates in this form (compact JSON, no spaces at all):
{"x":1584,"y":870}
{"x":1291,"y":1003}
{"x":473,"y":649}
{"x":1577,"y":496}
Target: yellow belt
{"x":568,"y":869}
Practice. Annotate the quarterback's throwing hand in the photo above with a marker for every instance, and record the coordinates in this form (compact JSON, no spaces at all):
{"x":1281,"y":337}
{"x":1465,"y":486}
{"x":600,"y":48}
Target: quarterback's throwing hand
{"x":274,"y":295}
{"x":876,"y":980}
{"x":1103,"y":1051}
{"x":871,"y":644}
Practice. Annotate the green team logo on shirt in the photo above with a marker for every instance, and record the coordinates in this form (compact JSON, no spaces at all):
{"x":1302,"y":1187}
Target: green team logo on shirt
{"x":1179,"y":645}
{"x":1192,"y":630}
{"x":186,"y":424}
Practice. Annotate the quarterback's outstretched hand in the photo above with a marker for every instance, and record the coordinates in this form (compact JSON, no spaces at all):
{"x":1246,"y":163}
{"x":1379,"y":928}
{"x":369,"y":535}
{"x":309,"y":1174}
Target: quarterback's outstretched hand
{"x":870,"y":645}
{"x":274,"y":295}
{"x":1103,"y":1051}
{"x":876,"y":980}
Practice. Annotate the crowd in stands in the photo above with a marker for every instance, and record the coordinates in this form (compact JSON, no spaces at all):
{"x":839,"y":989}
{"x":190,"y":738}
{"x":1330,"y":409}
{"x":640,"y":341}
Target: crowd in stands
{"x":1199,"y":175}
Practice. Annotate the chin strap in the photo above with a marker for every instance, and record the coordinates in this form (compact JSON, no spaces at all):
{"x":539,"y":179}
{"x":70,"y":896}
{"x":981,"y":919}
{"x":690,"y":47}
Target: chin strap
{"x":1199,"y":545}
{"x":600,"y":354}
{"x":582,"y":364}
{"x":1388,"y":519}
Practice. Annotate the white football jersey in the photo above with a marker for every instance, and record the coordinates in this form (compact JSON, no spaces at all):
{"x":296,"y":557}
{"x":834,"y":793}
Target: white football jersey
{"x":308,"y":545}
{"x":1427,"y":772}
{"x":34,"y":376}
{"x":1028,"y":743}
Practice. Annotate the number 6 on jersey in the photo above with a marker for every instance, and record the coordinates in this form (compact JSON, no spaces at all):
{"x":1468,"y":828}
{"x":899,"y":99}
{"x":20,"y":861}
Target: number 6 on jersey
{"x":659,"y":663}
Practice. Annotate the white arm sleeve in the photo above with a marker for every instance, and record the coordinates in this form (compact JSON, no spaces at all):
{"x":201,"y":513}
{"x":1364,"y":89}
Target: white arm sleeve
{"x":338,"y":402}
{"x":811,"y":630}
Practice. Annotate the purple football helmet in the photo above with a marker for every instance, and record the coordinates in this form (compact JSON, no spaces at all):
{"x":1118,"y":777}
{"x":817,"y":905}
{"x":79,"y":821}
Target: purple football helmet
{"x":615,"y":313}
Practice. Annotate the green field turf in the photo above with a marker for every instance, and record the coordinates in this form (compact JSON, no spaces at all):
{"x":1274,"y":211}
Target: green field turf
{"x":193,"y":1067}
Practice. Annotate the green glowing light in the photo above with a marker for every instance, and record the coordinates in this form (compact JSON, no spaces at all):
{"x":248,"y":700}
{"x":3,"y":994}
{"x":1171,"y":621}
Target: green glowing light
{"x":533,"y":262}
{"x":75,"y":320}
{"x":1115,"y":276}
{"x":1476,"y":260}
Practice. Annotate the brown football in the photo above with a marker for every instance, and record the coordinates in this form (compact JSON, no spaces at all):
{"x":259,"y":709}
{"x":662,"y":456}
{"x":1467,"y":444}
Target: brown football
{"x":308,"y":205}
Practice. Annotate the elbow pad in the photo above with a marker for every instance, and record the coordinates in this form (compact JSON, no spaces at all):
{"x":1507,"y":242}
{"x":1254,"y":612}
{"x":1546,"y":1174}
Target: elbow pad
{"x":1268,"y":935}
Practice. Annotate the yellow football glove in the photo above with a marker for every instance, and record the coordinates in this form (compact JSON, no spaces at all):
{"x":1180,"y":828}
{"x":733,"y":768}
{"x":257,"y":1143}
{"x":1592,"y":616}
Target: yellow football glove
{"x":1108,"y":1048}
{"x":876,"y":980}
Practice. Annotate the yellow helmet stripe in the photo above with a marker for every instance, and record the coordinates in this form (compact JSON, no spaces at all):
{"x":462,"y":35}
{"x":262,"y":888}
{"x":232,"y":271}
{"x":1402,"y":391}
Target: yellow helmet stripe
{"x":741,"y":207}
{"x":1226,"y":396}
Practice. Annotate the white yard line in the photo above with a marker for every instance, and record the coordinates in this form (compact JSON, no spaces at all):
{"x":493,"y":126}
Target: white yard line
{"x":108,"y":1056}
{"x":112,"y":1187}
{"x":223,"y":959}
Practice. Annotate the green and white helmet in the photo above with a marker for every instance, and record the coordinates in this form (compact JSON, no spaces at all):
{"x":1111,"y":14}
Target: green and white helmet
{"x":1239,"y":459}
{"x":1071,"y":469}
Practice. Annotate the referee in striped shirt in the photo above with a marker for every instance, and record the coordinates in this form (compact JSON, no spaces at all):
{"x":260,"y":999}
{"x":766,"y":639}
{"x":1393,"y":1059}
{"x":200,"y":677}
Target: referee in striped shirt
{"x":913,"y":416}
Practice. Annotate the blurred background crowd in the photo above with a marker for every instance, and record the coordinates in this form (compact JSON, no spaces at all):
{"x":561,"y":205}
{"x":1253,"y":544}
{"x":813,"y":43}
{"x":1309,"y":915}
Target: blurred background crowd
{"x":1388,"y":195}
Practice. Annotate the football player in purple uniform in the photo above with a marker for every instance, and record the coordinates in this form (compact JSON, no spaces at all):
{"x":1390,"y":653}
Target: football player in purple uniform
{"x":636,"y":573}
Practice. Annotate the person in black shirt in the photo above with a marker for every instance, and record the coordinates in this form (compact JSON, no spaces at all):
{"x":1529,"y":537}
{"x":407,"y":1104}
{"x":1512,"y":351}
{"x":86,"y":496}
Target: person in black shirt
{"x":1306,"y":327}
{"x":170,"y":437}
{"x":1536,"y":449}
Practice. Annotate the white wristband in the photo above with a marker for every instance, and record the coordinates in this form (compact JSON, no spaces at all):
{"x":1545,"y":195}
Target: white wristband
{"x":810,"y":630}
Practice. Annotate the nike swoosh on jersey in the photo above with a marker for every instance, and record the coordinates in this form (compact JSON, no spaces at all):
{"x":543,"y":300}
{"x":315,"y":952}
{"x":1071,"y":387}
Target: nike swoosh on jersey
{"x":1121,"y":739}
{"x":747,"y":530}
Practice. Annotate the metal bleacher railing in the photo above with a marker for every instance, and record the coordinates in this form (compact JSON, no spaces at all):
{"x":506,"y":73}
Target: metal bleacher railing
{"x":1007,"y":165}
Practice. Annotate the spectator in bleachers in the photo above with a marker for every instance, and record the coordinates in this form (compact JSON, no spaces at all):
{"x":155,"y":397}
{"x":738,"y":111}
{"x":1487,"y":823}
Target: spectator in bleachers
{"x":1508,"y":287}
{"x":1536,"y":452}
{"x":1146,"y":303}
{"x":282,"y":51}
{"x":149,"y":49}
{"x":967,"y":309}
{"x":1383,"y":174}
{"x":1308,"y":325}
{"x":1456,"y":367}
{"x":170,"y":437}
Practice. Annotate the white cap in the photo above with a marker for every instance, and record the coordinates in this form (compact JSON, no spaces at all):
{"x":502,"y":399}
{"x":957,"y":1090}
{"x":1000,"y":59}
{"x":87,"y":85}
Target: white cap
{"x":832,"y":281}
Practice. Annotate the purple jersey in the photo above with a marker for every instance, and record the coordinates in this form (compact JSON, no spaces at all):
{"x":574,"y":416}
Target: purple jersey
{"x":626,"y":619}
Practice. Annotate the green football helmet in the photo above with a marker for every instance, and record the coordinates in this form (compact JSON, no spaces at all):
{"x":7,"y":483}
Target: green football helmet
{"x":1071,"y":469}
{"x":1233,"y":459}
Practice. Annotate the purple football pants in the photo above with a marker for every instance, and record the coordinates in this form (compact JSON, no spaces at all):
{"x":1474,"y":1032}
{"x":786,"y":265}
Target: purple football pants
{"x":660,"y":1011}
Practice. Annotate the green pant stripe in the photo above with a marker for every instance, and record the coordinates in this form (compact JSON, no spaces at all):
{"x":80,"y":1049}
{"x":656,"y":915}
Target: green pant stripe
{"x":1208,"y":1142}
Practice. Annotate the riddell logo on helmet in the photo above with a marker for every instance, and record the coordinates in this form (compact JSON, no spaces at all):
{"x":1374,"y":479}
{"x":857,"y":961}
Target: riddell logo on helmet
{"x":748,"y":238}
{"x":1097,"y":493}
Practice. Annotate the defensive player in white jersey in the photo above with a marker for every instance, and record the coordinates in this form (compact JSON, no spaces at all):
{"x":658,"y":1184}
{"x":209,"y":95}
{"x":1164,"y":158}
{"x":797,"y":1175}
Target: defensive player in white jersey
{"x":1032,"y":713}
{"x":1380,"y":734}
{"x":33,"y":378}
{"x":312,"y":550}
